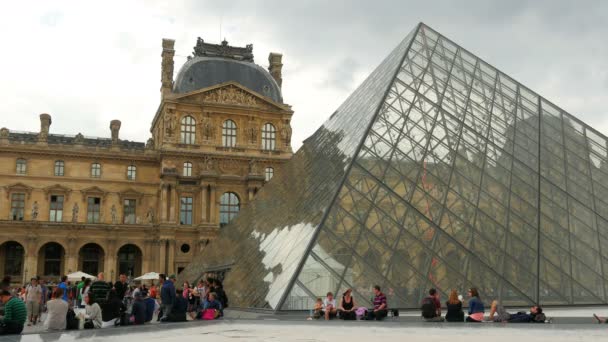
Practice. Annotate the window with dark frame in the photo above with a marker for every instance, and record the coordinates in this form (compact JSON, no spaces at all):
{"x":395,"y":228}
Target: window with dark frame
{"x":188,"y":130}
{"x":129,"y":211}
{"x":269,"y":137}
{"x":95,"y":170}
{"x":131,"y":172}
{"x":268,"y":173}
{"x":13,"y":259}
{"x":17,"y":207}
{"x":56,"y":208}
{"x":185,"y":211}
{"x":229,"y":133}
{"x":229,"y":207}
{"x":21,"y":167}
{"x":93,"y":209}
{"x":187,"y":172}
{"x":59,"y":167}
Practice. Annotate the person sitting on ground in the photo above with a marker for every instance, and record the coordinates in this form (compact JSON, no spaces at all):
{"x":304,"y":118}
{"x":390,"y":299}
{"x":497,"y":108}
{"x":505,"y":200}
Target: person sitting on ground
{"x":212,"y":308}
{"x":113,"y":310}
{"x":476,"y":308}
{"x":179,"y":309}
{"x":93,"y":315}
{"x":329,"y":306}
{"x":454,"y":305}
{"x":347,"y":306}
{"x":318,"y":309}
{"x":56,"y":312}
{"x":151,"y":307}
{"x":100,"y":289}
{"x":138,"y":310}
{"x":15,"y":314}
{"x":431,"y":307}
{"x":380,"y":309}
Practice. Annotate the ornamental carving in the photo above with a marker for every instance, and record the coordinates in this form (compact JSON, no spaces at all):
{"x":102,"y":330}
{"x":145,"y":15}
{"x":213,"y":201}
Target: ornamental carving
{"x":207,"y":165}
{"x":4,"y":133}
{"x":79,"y":139}
{"x":286,"y":133}
{"x":207,"y":128}
{"x":251,"y":131}
{"x":170,"y":120}
{"x":230,"y":166}
{"x":231,"y":95}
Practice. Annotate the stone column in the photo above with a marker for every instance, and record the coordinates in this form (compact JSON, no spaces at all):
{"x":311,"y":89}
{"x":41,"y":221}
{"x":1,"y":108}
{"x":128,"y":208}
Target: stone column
{"x":204,"y":203}
{"x":115,"y":129}
{"x":31,"y":258}
{"x":166,"y":74}
{"x":275,"y":67}
{"x":163,"y":203}
{"x":172,"y":205}
{"x":163,"y":256}
{"x":45,"y":124}
{"x":171,"y":257}
{"x":109,"y":266}
{"x":146,"y":257}
{"x":212,"y":205}
{"x":71,"y":257}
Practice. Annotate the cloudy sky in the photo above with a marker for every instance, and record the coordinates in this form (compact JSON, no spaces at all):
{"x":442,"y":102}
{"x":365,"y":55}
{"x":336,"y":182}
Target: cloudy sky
{"x":87,"y":65}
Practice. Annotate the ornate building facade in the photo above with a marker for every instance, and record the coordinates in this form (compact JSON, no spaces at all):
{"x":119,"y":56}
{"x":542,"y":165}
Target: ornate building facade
{"x":71,"y":203}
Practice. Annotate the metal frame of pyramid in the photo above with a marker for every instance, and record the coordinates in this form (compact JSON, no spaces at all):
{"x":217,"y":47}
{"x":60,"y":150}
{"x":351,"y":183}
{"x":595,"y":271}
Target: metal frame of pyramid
{"x":438,"y":171}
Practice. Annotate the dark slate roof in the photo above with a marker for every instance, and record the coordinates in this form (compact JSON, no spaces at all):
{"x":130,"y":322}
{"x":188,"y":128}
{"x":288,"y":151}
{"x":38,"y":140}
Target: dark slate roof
{"x":31,"y":137}
{"x":202,"y":72}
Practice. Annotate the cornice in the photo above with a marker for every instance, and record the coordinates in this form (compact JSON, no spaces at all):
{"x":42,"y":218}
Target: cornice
{"x":149,"y":156}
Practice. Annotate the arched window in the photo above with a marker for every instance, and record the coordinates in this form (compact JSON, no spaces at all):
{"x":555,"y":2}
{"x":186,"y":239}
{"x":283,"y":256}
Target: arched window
{"x":229,"y":207}
{"x":59,"y":167}
{"x":188,"y":130}
{"x":95,"y":170}
{"x":187,"y":169}
{"x":21,"y":166}
{"x":269,"y":137}
{"x":131,"y":172}
{"x":229,"y":133}
{"x":268,"y":173}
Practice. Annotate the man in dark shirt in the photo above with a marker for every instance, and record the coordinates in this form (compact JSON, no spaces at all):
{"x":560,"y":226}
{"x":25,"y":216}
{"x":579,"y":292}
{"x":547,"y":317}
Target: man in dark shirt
{"x":167,"y":297}
{"x":431,"y":307}
{"x":179,"y":308}
{"x":121,"y":286}
{"x":380,"y":309}
{"x":100,"y":289}
{"x":138,"y":311}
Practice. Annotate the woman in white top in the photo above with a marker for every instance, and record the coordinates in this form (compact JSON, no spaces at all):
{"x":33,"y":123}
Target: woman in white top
{"x":57,"y":310}
{"x":85,"y":291}
{"x":92,"y":315}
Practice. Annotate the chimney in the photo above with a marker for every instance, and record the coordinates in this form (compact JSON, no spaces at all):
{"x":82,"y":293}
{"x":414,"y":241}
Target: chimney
{"x":275,"y":66}
{"x":166,"y":75}
{"x":115,"y":128}
{"x":45,"y":124}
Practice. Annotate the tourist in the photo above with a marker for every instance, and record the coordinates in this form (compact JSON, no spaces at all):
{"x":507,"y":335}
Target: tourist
{"x":151,"y":307}
{"x":15,"y":314}
{"x":431,"y":307}
{"x":153,"y":291}
{"x":347,"y":306}
{"x":600,"y":320}
{"x":121,"y":286}
{"x":167,"y":297}
{"x":79,"y":288}
{"x":380,"y":309}
{"x":179,"y":308}
{"x":112,"y":310}
{"x":100,"y":289}
{"x":64,"y":286}
{"x":454,"y":305}
{"x":318,"y":309}
{"x":212,"y":309}
{"x":498,"y":312}
{"x":33,"y":295}
{"x":476,"y":308}
{"x":44,"y":295}
{"x":86,"y":287}
{"x":220,"y":295}
{"x":93,"y":318}
{"x":330,"y":309}
{"x":57,"y":310}
{"x":138,"y":310}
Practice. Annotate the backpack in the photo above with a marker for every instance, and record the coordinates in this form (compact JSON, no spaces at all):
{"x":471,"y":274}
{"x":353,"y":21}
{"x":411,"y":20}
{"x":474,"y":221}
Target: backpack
{"x":71,"y":322}
{"x":428,"y":308}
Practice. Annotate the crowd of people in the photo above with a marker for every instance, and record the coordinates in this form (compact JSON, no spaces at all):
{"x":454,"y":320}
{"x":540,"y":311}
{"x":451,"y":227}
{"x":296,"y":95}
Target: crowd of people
{"x":99,"y":304}
{"x":328,"y":308}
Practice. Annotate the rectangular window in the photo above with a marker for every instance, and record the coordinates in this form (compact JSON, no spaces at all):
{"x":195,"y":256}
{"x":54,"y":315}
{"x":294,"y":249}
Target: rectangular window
{"x":21,"y":167}
{"x":56,"y":211}
{"x":17,"y":207}
{"x":185,"y":210}
{"x":129,"y":211}
{"x":93,"y":209}
{"x":95,"y":170}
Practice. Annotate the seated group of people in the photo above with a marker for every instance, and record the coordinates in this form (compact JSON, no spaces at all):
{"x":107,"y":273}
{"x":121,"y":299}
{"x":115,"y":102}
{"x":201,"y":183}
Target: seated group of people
{"x":348,"y":310}
{"x":431,"y":310}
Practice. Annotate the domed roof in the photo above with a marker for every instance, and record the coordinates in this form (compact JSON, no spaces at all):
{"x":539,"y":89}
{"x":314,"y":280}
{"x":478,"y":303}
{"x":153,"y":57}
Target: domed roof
{"x":202,"y":71}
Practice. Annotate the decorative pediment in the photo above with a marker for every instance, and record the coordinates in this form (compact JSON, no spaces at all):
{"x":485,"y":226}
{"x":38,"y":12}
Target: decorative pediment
{"x":231,"y":93}
{"x":18,"y":187}
{"x":58,"y":189}
{"x":93,"y":192}
{"x":131,"y":193}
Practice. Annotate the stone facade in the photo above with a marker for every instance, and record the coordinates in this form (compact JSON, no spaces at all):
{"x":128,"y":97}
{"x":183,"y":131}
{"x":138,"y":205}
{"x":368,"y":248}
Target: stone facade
{"x":70,"y":203}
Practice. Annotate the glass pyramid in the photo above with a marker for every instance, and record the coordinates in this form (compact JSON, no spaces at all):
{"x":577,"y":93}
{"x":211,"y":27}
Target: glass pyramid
{"x":438,"y":171}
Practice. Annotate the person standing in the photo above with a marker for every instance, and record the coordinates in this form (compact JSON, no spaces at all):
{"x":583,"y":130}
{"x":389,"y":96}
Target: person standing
{"x":100,"y":289}
{"x":83,"y":292}
{"x":44,"y":296}
{"x":33,"y":296}
{"x":64,"y":286}
{"x":57,"y":311}
{"x":380,"y":309}
{"x":167,"y":297}
{"x":79,"y":287}
{"x":15,"y":314}
{"x":121,"y":286}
